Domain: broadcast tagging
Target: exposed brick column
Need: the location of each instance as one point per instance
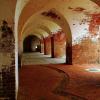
(48, 45)
(59, 40)
(52, 46)
(19, 60)
(40, 46)
(44, 40)
(69, 53)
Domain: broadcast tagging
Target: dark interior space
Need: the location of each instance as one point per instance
(31, 44)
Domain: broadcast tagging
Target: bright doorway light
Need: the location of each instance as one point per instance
(93, 69)
(36, 47)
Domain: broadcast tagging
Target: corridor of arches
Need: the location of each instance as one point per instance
(62, 40)
(57, 48)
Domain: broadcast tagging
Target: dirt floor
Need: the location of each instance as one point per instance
(58, 82)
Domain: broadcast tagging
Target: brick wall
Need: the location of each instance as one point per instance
(7, 64)
(87, 52)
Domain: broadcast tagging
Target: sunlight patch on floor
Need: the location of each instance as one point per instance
(93, 69)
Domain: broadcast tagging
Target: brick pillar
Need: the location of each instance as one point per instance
(58, 44)
(44, 40)
(69, 54)
(52, 46)
(19, 60)
(40, 46)
(48, 45)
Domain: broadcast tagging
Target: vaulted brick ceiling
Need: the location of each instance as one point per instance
(78, 14)
(97, 2)
(26, 8)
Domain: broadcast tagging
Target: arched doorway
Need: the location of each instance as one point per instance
(31, 44)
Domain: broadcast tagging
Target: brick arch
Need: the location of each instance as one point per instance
(27, 43)
(55, 16)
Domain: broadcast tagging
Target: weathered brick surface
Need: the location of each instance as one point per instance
(87, 52)
(7, 65)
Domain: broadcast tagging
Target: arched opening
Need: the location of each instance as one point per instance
(62, 23)
(60, 17)
(31, 44)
